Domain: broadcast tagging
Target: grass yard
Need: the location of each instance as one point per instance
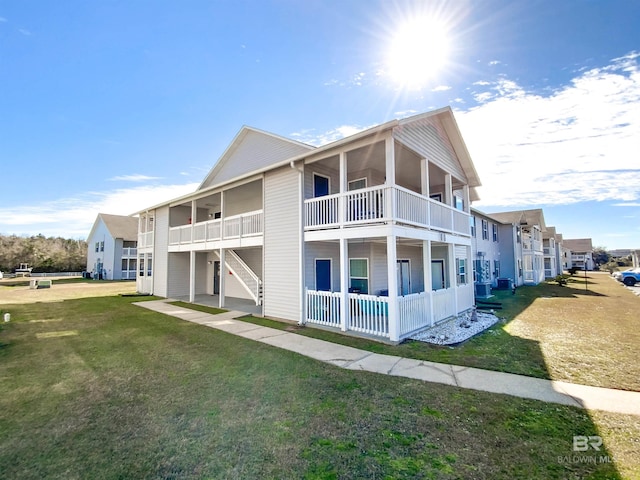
(99, 388)
(589, 336)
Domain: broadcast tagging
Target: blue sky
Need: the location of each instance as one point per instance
(112, 106)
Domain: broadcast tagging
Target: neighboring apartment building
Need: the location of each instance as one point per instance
(551, 244)
(491, 241)
(369, 234)
(112, 247)
(524, 254)
(581, 252)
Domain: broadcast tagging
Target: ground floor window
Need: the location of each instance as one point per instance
(462, 271)
(359, 275)
(149, 262)
(496, 268)
(141, 265)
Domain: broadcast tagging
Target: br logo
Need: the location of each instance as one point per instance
(582, 443)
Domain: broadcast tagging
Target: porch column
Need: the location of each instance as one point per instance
(342, 204)
(194, 216)
(392, 279)
(426, 273)
(424, 177)
(223, 276)
(466, 199)
(344, 285)
(192, 276)
(453, 271)
(448, 190)
(390, 170)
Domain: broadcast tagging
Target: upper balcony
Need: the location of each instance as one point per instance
(234, 217)
(383, 204)
(383, 182)
(230, 228)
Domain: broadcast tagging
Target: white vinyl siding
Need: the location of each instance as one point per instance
(282, 230)
(160, 251)
(257, 150)
(428, 138)
(178, 264)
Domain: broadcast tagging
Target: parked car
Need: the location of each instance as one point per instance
(628, 277)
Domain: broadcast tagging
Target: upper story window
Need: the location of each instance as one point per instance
(472, 225)
(97, 246)
(485, 230)
(518, 234)
(494, 229)
(102, 246)
(458, 202)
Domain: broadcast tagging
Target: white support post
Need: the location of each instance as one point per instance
(222, 217)
(392, 283)
(344, 285)
(426, 273)
(390, 169)
(448, 190)
(223, 277)
(342, 203)
(194, 217)
(192, 276)
(453, 273)
(424, 177)
(466, 198)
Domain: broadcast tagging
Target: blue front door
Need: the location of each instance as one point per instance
(323, 275)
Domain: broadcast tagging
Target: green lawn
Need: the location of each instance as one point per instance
(576, 334)
(124, 392)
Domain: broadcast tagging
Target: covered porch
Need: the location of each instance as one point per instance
(387, 287)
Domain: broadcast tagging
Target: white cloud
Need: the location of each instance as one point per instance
(133, 178)
(310, 136)
(2, 19)
(577, 143)
(494, 62)
(24, 32)
(441, 88)
(73, 217)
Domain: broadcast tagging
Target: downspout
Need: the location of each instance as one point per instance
(302, 309)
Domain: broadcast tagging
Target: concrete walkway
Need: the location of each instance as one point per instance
(592, 398)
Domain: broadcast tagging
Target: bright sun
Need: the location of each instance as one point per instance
(418, 51)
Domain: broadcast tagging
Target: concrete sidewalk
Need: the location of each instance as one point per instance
(592, 398)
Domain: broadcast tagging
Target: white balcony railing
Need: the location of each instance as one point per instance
(236, 226)
(383, 203)
(369, 314)
(145, 239)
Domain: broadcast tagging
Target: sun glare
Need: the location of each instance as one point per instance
(418, 51)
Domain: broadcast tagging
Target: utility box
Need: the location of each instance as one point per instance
(505, 284)
(483, 290)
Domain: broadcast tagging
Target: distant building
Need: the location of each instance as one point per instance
(112, 247)
(581, 252)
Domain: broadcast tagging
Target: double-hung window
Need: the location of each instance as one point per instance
(359, 274)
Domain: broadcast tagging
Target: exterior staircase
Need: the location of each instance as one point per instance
(247, 277)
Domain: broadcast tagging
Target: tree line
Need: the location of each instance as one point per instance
(52, 254)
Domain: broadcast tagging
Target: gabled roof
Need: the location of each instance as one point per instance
(250, 150)
(119, 226)
(254, 151)
(525, 218)
(578, 244)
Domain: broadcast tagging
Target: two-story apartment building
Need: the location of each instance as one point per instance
(492, 251)
(369, 234)
(551, 244)
(525, 229)
(581, 252)
(112, 247)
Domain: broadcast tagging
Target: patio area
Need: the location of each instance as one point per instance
(230, 303)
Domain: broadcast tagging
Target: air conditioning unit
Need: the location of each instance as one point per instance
(483, 290)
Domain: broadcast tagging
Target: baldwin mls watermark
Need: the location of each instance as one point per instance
(585, 450)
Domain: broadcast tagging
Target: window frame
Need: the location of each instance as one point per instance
(366, 279)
